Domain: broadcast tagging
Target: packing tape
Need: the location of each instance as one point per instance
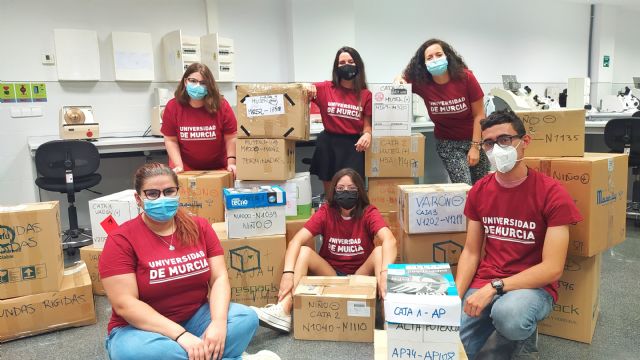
(375, 167)
(545, 167)
(375, 145)
(192, 182)
(414, 143)
(414, 168)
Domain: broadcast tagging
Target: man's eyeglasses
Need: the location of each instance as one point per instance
(153, 194)
(346, 188)
(503, 141)
(194, 81)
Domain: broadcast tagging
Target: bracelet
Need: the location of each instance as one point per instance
(381, 271)
(287, 272)
(231, 157)
(178, 337)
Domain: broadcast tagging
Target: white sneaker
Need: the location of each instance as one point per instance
(261, 355)
(274, 317)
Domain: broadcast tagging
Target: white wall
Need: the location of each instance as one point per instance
(627, 51)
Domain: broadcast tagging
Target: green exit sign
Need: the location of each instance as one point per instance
(605, 61)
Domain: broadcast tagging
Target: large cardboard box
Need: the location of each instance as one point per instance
(395, 156)
(279, 111)
(109, 212)
(298, 192)
(598, 185)
(422, 294)
(265, 159)
(255, 212)
(383, 192)
(30, 249)
(392, 109)
(391, 218)
(71, 306)
(254, 265)
(432, 208)
(411, 341)
(335, 308)
(91, 256)
(433, 248)
(554, 132)
(201, 193)
(575, 314)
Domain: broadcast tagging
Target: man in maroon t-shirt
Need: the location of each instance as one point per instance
(522, 218)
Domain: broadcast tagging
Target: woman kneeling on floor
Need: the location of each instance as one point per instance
(165, 276)
(348, 225)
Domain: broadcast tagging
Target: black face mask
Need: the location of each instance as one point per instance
(346, 199)
(347, 72)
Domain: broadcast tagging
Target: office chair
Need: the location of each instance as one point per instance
(69, 166)
(622, 135)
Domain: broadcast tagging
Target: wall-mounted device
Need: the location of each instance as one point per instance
(161, 97)
(77, 122)
(578, 92)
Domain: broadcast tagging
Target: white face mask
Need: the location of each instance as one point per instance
(503, 159)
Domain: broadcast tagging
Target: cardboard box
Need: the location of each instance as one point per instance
(392, 109)
(109, 212)
(298, 192)
(554, 132)
(91, 255)
(201, 193)
(575, 314)
(30, 249)
(381, 349)
(391, 218)
(598, 185)
(277, 111)
(265, 159)
(432, 208)
(255, 212)
(335, 308)
(71, 306)
(383, 192)
(395, 156)
(433, 248)
(254, 265)
(423, 294)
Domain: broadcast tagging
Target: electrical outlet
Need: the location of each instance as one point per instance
(48, 59)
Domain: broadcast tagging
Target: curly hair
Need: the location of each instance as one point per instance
(212, 99)
(416, 70)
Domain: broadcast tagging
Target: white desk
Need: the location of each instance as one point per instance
(109, 143)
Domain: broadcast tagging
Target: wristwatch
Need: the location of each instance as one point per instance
(498, 284)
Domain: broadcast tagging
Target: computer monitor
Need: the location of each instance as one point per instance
(509, 82)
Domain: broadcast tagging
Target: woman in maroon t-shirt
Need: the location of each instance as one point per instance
(453, 99)
(199, 125)
(348, 225)
(345, 108)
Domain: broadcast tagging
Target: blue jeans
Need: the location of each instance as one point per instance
(514, 315)
(127, 342)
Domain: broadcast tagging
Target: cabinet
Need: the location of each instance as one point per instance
(218, 55)
(216, 52)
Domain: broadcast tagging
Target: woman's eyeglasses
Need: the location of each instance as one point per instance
(153, 194)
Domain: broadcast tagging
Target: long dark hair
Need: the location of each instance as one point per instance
(363, 198)
(416, 70)
(360, 81)
(186, 228)
(212, 99)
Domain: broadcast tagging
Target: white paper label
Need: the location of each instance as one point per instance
(264, 105)
(437, 212)
(358, 308)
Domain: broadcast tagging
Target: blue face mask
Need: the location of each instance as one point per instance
(196, 92)
(161, 209)
(437, 66)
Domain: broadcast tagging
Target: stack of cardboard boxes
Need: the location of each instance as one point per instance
(36, 294)
(395, 157)
(598, 185)
(433, 222)
(422, 310)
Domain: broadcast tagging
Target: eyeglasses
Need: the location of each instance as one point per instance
(194, 81)
(153, 194)
(346, 188)
(503, 141)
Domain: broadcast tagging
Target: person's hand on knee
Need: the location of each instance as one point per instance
(478, 301)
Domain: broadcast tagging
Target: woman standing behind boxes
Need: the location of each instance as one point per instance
(198, 125)
(348, 225)
(345, 108)
(454, 102)
(158, 270)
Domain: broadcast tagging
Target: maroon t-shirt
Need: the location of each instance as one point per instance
(340, 109)
(515, 223)
(200, 134)
(347, 243)
(174, 283)
(449, 105)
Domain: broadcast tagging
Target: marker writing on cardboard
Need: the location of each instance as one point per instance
(268, 292)
(25, 309)
(64, 301)
(410, 353)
